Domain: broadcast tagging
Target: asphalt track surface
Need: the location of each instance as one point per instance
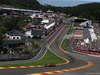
(76, 60)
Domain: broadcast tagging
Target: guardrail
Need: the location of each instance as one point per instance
(21, 58)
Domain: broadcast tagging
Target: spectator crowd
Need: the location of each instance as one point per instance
(86, 43)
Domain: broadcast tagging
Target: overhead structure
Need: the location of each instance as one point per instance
(49, 26)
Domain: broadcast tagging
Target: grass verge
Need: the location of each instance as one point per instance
(63, 43)
(98, 41)
(69, 31)
(47, 59)
(66, 42)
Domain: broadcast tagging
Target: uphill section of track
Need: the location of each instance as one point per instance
(92, 70)
(54, 47)
(76, 60)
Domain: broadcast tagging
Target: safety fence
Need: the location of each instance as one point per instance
(17, 57)
(87, 51)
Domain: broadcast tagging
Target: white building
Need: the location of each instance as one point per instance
(28, 33)
(45, 21)
(13, 35)
(86, 23)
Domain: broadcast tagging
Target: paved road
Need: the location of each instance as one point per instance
(42, 44)
(26, 70)
(37, 57)
(76, 60)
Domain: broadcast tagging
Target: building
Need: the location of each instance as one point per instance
(82, 22)
(28, 33)
(50, 12)
(13, 39)
(13, 35)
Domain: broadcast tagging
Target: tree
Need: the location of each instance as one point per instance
(1, 41)
(33, 42)
(36, 46)
(15, 23)
(28, 4)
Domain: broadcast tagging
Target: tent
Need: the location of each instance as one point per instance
(86, 40)
(22, 55)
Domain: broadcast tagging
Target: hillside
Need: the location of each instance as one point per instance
(27, 4)
(90, 11)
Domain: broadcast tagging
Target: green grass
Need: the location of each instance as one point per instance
(63, 43)
(98, 41)
(67, 42)
(47, 59)
(69, 31)
(75, 25)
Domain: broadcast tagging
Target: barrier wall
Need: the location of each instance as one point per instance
(87, 52)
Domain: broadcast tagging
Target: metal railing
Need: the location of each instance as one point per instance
(13, 57)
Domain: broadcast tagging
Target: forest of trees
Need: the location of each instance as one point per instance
(91, 10)
(26, 4)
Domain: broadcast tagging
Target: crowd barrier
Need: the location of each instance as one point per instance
(86, 51)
